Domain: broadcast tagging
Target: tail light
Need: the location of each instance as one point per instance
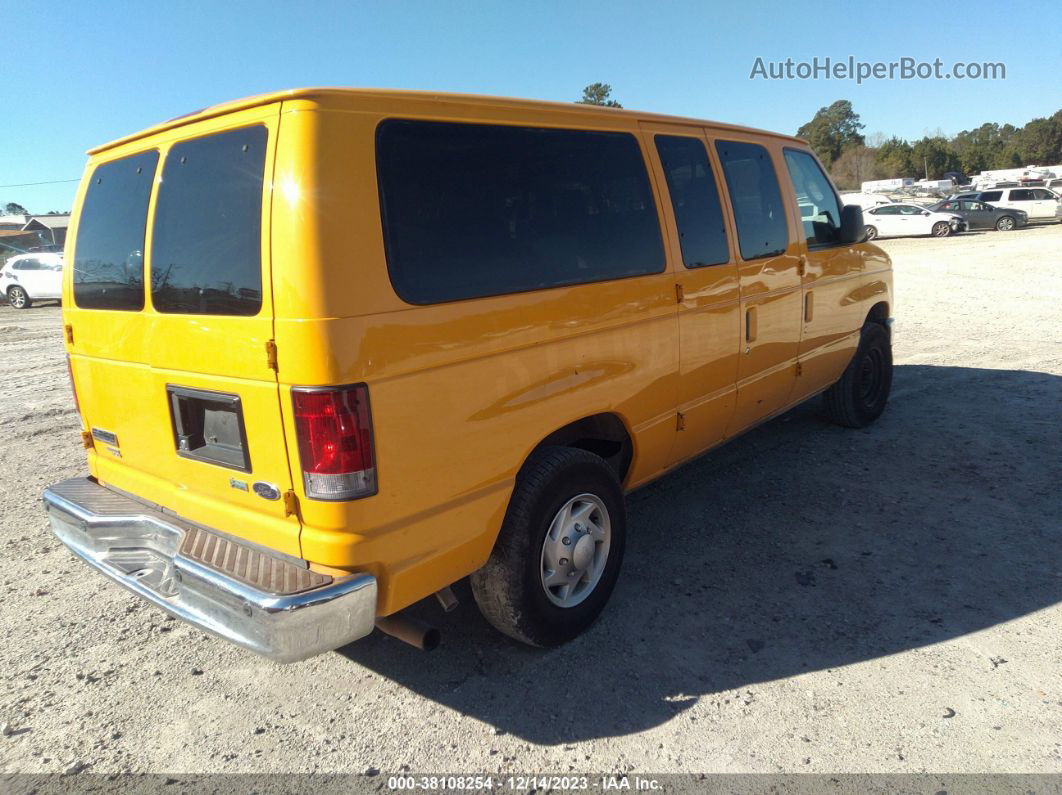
(334, 430)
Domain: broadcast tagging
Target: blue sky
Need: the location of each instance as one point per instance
(79, 74)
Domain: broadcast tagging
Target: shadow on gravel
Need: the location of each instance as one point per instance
(798, 547)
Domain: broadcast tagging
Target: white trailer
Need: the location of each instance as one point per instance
(935, 184)
(884, 185)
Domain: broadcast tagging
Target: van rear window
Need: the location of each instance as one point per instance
(206, 251)
(472, 210)
(109, 251)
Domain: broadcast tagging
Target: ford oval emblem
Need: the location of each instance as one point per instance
(266, 491)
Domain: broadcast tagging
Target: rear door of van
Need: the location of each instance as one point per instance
(169, 320)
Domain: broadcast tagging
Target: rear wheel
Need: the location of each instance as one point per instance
(16, 296)
(559, 552)
(872, 232)
(1005, 224)
(859, 397)
(941, 229)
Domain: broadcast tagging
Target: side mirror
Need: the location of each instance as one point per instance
(925, 212)
(853, 230)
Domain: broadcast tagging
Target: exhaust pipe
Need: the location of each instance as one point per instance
(409, 630)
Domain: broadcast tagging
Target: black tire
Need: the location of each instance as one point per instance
(1005, 223)
(18, 297)
(941, 229)
(509, 589)
(862, 392)
(871, 232)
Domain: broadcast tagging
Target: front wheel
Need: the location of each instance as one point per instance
(871, 232)
(1005, 224)
(17, 297)
(559, 552)
(859, 397)
(941, 229)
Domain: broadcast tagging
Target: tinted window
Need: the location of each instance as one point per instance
(694, 199)
(28, 265)
(109, 261)
(953, 206)
(1021, 195)
(909, 209)
(757, 202)
(888, 209)
(1043, 194)
(991, 196)
(206, 251)
(472, 210)
(820, 209)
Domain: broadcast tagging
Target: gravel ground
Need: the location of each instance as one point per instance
(806, 599)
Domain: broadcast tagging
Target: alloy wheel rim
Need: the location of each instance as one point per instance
(18, 298)
(575, 550)
(941, 229)
(1005, 224)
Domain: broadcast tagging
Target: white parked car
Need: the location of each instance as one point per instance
(1040, 204)
(32, 277)
(903, 220)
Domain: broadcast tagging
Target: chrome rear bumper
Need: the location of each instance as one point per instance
(264, 602)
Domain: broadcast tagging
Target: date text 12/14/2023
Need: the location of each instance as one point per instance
(523, 783)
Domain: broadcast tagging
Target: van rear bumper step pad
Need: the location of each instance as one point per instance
(268, 604)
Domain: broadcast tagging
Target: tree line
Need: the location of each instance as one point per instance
(835, 133)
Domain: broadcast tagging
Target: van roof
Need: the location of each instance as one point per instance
(352, 93)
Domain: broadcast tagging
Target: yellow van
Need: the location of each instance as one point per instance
(337, 349)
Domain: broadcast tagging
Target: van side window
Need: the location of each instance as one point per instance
(694, 199)
(754, 195)
(1021, 195)
(206, 252)
(109, 250)
(472, 210)
(820, 209)
(991, 196)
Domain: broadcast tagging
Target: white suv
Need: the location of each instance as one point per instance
(1040, 204)
(32, 277)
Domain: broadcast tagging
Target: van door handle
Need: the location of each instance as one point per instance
(750, 325)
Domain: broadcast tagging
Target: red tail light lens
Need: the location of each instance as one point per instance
(334, 429)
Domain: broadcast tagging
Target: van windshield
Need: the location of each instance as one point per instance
(206, 252)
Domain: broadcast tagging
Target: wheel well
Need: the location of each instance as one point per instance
(879, 313)
(604, 435)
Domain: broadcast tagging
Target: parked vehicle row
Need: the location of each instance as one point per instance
(1038, 204)
(1002, 209)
